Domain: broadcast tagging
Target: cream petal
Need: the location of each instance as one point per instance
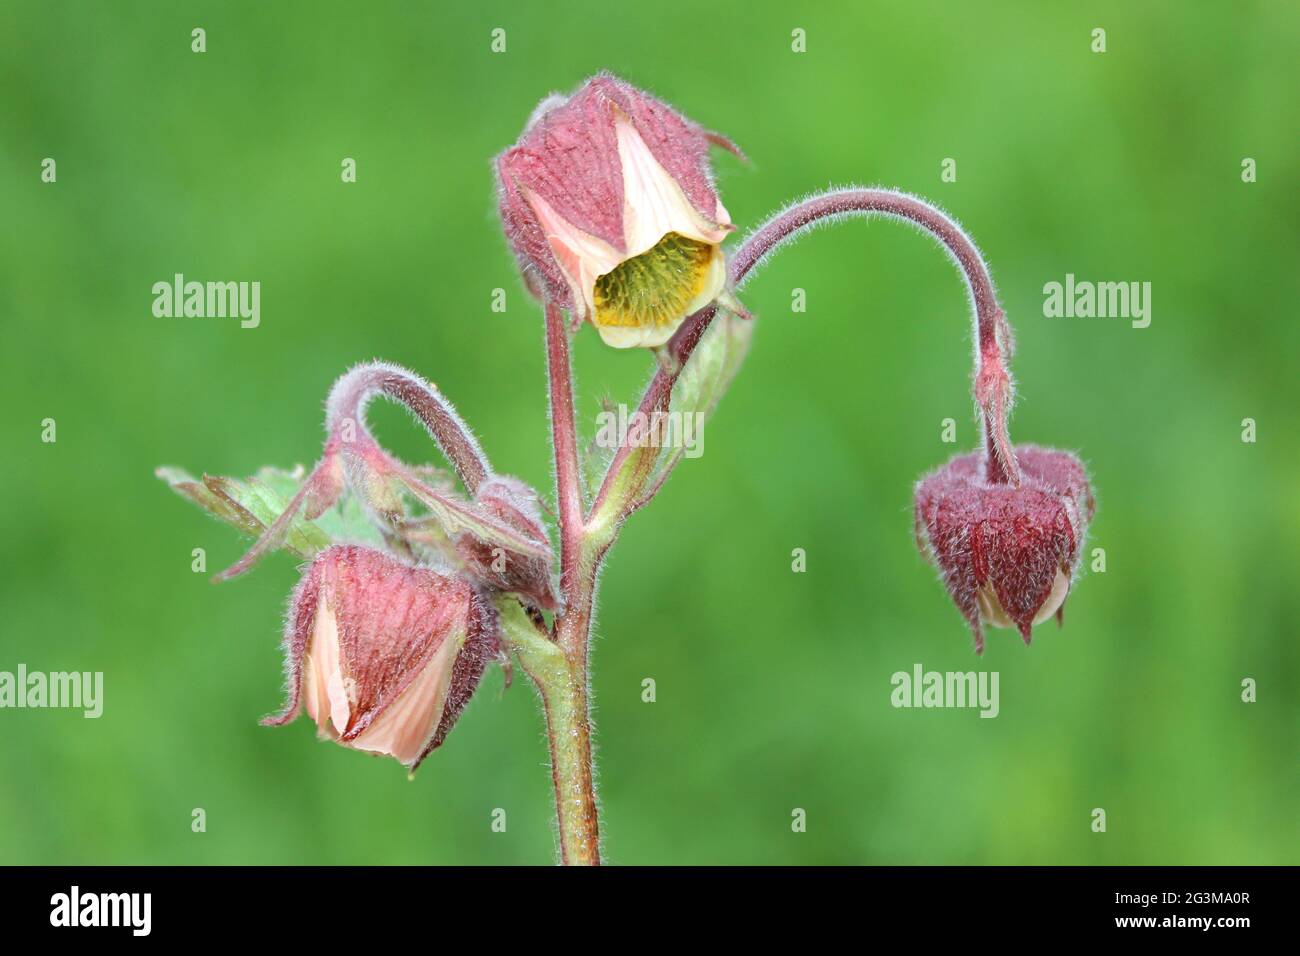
(722, 216)
(635, 337)
(323, 686)
(992, 612)
(1055, 598)
(713, 283)
(404, 728)
(582, 257)
(653, 203)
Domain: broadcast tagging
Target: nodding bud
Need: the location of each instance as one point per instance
(1007, 554)
(608, 203)
(383, 656)
(501, 568)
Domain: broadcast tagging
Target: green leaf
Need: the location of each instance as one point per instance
(252, 504)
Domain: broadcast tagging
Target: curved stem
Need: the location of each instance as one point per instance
(353, 392)
(799, 217)
(347, 402)
(993, 388)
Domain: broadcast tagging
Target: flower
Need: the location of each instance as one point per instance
(608, 203)
(383, 650)
(383, 656)
(1007, 554)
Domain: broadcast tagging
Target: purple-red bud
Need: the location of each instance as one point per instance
(1007, 554)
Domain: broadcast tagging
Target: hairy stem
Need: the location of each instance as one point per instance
(993, 390)
(568, 487)
(563, 683)
(569, 733)
(568, 716)
(352, 393)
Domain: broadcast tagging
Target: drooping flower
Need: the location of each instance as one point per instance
(382, 655)
(608, 203)
(382, 649)
(1007, 553)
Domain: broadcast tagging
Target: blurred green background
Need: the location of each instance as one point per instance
(772, 687)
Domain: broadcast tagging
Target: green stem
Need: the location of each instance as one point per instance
(569, 731)
(559, 669)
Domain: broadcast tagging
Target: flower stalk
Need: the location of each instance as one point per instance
(564, 687)
(560, 668)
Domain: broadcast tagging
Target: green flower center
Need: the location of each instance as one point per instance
(655, 287)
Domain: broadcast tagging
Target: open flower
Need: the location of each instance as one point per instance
(382, 655)
(608, 203)
(1007, 554)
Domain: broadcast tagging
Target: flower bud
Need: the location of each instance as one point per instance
(502, 569)
(1007, 554)
(608, 203)
(383, 656)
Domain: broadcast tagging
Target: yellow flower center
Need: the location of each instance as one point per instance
(654, 288)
